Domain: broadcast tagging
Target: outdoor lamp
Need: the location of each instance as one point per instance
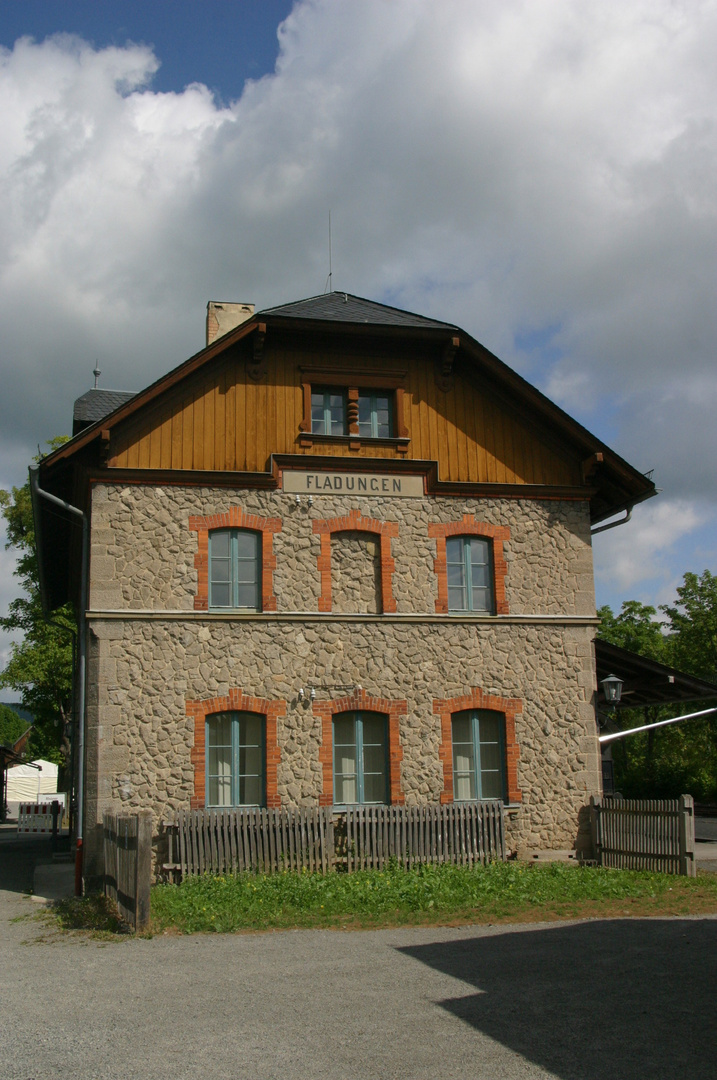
(612, 689)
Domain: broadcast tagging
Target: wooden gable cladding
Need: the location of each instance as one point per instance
(231, 416)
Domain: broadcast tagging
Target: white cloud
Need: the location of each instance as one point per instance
(514, 167)
(643, 550)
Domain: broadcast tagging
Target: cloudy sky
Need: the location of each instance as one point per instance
(540, 172)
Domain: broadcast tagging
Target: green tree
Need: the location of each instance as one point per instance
(12, 726)
(692, 623)
(40, 665)
(636, 628)
(667, 762)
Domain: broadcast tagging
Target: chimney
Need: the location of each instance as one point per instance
(223, 317)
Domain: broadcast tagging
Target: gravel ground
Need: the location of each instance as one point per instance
(598, 1000)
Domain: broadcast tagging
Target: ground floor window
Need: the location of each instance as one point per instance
(235, 759)
(360, 759)
(478, 755)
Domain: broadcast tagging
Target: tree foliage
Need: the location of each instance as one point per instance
(681, 758)
(692, 625)
(40, 665)
(636, 628)
(12, 726)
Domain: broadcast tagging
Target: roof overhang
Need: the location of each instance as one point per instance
(645, 681)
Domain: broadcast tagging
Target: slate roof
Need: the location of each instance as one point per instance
(96, 404)
(345, 307)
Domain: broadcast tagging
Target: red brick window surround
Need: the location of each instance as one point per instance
(470, 527)
(235, 701)
(354, 522)
(477, 699)
(357, 701)
(235, 518)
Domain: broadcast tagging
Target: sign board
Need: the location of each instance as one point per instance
(299, 482)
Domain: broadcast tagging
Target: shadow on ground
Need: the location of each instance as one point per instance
(611, 1000)
(19, 855)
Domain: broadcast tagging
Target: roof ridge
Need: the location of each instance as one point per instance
(327, 307)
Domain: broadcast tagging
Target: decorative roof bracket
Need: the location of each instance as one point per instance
(444, 374)
(256, 368)
(591, 465)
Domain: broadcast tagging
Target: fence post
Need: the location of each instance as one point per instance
(688, 865)
(595, 832)
(144, 870)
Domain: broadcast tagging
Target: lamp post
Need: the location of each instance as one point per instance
(612, 689)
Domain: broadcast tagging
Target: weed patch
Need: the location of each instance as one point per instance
(94, 913)
(424, 895)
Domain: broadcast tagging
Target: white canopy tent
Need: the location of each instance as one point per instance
(28, 784)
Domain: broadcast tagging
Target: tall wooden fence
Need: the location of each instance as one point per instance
(229, 841)
(645, 834)
(128, 865)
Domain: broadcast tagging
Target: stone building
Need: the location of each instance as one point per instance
(341, 555)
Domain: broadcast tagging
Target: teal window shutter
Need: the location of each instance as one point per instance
(478, 755)
(234, 569)
(236, 759)
(469, 566)
(360, 759)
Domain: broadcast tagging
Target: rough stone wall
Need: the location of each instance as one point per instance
(142, 672)
(140, 738)
(143, 551)
(355, 573)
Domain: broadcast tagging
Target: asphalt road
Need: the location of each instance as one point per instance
(596, 1000)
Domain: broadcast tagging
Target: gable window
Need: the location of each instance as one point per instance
(328, 412)
(478, 755)
(234, 569)
(360, 764)
(469, 565)
(354, 403)
(235, 759)
(375, 414)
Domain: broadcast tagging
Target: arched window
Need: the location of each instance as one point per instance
(235, 743)
(478, 737)
(360, 759)
(234, 569)
(469, 564)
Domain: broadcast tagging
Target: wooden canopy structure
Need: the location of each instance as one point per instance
(647, 682)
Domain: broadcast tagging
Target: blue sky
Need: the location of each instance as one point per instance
(220, 43)
(540, 172)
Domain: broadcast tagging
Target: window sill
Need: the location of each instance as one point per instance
(234, 611)
(354, 442)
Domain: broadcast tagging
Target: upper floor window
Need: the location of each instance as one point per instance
(235, 759)
(360, 759)
(328, 412)
(234, 569)
(478, 755)
(354, 403)
(469, 564)
(375, 414)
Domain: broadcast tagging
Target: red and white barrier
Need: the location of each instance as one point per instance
(35, 817)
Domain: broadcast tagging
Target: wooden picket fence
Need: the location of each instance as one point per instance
(645, 834)
(230, 841)
(128, 865)
(321, 840)
(463, 833)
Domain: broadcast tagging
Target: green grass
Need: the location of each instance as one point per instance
(427, 894)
